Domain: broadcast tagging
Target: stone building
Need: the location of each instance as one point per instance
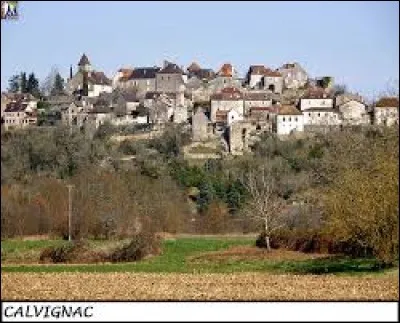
(200, 126)
(170, 78)
(386, 111)
(316, 97)
(18, 114)
(353, 112)
(289, 120)
(143, 80)
(294, 76)
(87, 82)
(227, 99)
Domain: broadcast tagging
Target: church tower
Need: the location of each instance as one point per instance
(84, 64)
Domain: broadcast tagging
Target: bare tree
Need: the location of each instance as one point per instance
(264, 204)
(48, 83)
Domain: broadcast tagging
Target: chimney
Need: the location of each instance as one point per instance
(70, 72)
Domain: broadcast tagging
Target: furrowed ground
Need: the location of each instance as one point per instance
(195, 268)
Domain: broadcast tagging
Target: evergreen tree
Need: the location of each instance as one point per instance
(13, 84)
(23, 83)
(33, 85)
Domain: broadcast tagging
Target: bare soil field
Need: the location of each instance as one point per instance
(243, 253)
(173, 286)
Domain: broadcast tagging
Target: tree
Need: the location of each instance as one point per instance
(58, 85)
(48, 83)
(264, 204)
(339, 89)
(32, 85)
(14, 83)
(23, 83)
(361, 201)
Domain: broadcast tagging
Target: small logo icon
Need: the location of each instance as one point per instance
(9, 10)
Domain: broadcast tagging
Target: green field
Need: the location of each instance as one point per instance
(183, 255)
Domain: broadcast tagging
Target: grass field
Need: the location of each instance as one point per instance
(197, 269)
(193, 255)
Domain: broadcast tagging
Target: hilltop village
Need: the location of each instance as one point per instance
(226, 112)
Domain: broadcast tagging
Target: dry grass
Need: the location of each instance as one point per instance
(243, 253)
(240, 286)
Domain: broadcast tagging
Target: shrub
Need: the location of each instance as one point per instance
(313, 241)
(76, 252)
(142, 245)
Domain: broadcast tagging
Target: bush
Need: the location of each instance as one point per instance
(142, 245)
(76, 252)
(313, 241)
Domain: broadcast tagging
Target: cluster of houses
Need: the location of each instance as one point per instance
(222, 104)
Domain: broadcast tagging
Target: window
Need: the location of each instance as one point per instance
(319, 114)
(309, 114)
(295, 119)
(283, 119)
(290, 119)
(326, 114)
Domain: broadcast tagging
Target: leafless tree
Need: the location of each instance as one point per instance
(264, 204)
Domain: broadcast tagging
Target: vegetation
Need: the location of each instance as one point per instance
(197, 255)
(341, 186)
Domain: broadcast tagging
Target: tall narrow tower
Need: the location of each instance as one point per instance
(84, 64)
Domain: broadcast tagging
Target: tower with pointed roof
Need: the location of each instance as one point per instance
(84, 64)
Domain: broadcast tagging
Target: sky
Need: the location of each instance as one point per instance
(355, 42)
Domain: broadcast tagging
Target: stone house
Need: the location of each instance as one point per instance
(294, 76)
(143, 80)
(254, 76)
(260, 77)
(19, 114)
(75, 114)
(99, 116)
(27, 98)
(289, 120)
(353, 112)
(227, 76)
(87, 82)
(120, 79)
(386, 111)
(321, 117)
(316, 97)
(256, 99)
(272, 81)
(227, 99)
(170, 78)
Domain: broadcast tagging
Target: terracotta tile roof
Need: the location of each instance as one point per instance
(257, 69)
(315, 93)
(126, 73)
(84, 60)
(288, 110)
(228, 93)
(387, 102)
(271, 73)
(99, 78)
(226, 70)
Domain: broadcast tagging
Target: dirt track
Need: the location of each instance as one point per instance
(246, 286)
